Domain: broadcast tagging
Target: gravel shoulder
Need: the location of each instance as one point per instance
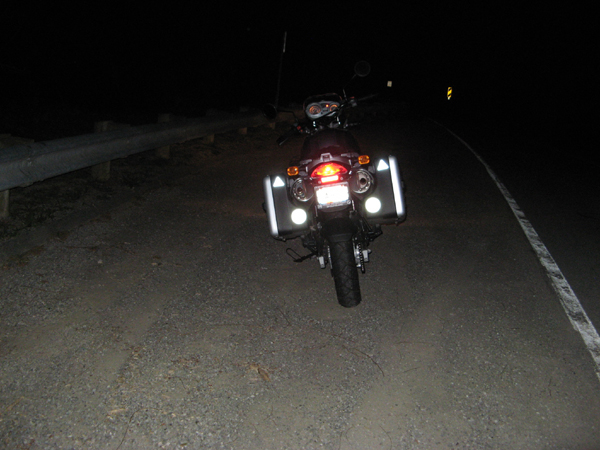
(172, 320)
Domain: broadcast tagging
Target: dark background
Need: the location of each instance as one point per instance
(527, 69)
(524, 82)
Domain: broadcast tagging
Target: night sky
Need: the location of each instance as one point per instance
(529, 64)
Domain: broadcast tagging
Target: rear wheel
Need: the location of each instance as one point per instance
(345, 273)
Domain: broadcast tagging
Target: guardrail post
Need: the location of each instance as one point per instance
(4, 204)
(6, 140)
(101, 172)
(164, 152)
(243, 131)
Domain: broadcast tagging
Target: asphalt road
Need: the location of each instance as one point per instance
(175, 321)
(551, 171)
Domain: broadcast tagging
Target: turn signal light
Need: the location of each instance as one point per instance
(364, 159)
(293, 171)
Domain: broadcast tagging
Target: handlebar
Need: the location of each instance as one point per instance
(298, 128)
(366, 97)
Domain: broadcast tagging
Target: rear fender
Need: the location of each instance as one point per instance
(339, 230)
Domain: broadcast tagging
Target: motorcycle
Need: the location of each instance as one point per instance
(334, 197)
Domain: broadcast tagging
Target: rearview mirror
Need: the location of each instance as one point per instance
(270, 111)
(362, 68)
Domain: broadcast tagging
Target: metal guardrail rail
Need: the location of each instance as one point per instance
(21, 165)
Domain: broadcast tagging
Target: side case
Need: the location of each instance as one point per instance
(389, 192)
(279, 208)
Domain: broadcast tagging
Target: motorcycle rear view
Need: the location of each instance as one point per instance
(334, 197)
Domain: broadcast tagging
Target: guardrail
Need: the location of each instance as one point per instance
(24, 164)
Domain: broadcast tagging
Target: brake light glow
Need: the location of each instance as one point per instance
(329, 172)
(330, 179)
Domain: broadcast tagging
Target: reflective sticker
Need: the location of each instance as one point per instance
(382, 166)
(449, 93)
(373, 205)
(278, 182)
(299, 216)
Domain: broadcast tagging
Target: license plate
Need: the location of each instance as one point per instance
(333, 195)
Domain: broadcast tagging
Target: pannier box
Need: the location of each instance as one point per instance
(279, 208)
(388, 191)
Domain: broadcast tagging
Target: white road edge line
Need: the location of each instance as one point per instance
(575, 312)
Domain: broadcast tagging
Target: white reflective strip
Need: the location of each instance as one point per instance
(397, 186)
(382, 166)
(270, 204)
(278, 182)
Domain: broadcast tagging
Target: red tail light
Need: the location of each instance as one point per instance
(329, 172)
